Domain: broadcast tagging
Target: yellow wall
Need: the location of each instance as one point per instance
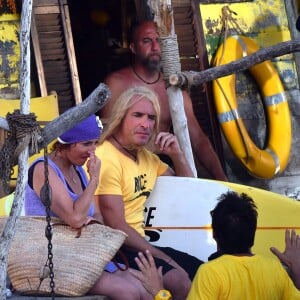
(10, 56)
(264, 21)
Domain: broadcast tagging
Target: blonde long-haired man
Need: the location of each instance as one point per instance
(128, 174)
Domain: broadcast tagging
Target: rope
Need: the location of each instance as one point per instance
(227, 17)
(170, 59)
(227, 20)
(24, 131)
(170, 56)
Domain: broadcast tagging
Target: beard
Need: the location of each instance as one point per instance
(152, 65)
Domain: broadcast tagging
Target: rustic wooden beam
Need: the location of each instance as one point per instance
(197, 78)
(93, 103)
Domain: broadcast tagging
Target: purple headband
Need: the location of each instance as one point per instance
(87, 130)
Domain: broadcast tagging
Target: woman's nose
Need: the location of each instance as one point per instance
(93, 148)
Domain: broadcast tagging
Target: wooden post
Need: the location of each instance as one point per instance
(10, 226)
(163, 16)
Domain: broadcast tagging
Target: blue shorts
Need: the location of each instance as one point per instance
(112, 268)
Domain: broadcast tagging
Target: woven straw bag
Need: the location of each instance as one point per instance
(77, 261)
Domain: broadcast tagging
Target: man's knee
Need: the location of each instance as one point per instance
(177, 282)
(131, 292)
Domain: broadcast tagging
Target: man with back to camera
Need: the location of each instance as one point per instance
(238, 273)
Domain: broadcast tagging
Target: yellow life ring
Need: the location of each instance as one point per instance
(262, 163)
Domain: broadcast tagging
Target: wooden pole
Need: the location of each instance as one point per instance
(197, 78)
(9, 229)
(163, 17)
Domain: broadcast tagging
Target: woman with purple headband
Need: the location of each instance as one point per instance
(73, 197)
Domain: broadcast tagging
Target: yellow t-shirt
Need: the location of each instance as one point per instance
(243, 277)
(134, 181)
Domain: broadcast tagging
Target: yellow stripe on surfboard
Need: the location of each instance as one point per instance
(209, 228)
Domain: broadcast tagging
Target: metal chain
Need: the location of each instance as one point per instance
(6, 163)
(23, 131)
(46, 197)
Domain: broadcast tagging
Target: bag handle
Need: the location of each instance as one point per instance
(78, 230)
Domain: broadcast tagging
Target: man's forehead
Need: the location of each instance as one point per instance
(142, 105)
(147, 29)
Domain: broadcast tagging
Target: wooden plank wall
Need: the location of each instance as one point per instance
(53, 52)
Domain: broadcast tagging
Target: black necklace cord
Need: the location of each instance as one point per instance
(145, 81)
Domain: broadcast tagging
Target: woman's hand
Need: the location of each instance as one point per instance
(149, 275)
(93, 166)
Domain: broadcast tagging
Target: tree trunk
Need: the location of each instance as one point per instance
(9, 229)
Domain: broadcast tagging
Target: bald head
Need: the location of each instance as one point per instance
(140, 28)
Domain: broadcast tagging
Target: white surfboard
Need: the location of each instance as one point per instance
(177, 214)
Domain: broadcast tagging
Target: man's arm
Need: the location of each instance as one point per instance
(115, 83)
(201, 144)
(112, 210)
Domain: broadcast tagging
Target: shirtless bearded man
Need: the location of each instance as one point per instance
(145, 70)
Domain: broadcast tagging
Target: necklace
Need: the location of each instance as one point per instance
(132, 154)
(73, 178)
(73, 175)
(70, 176)
(67, 175)
(145, 81)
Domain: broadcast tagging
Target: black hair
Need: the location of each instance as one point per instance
(132, 30)
(57, 146)
(234, 221)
